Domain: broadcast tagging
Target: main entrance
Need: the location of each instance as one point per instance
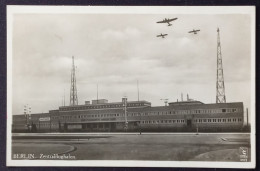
(189, 122)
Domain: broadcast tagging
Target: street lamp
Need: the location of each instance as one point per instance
(27, 114)
(140, 127)
(124, 100)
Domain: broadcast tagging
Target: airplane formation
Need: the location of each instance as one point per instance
(168, 20)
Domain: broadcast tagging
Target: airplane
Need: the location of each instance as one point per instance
(162, 35)
(194, 31)
(167, 21)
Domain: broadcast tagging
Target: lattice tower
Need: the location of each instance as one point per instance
(73, 87)
(220, 86)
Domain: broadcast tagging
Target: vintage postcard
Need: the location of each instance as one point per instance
(131, 86)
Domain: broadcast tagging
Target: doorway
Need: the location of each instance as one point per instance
(189, 122)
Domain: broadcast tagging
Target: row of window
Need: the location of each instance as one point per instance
(199, 111)
(170, 121)
(208, 111)
(164, 121)
(217, 120)
(47, 124)
(87, 116)
(101, 106)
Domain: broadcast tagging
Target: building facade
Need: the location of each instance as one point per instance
(135, 116)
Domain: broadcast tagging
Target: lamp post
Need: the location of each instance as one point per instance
(27, 114)
(197, 129)
(140, 127)
(50, 122)
(30, 118)
(124, 100)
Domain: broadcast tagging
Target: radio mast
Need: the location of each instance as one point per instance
(220, 86)
(138, 90)
(73, 88)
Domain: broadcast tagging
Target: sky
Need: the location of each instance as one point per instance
(116, 50)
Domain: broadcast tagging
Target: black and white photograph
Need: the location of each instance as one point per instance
(131, 86)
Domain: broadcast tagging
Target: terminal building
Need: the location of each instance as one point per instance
(135, 116)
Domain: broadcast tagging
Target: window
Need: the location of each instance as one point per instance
(223, 110)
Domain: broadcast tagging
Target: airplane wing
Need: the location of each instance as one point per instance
(161, 22)
(190, 31)
(159, 36)
(165, 34)
(170, 20)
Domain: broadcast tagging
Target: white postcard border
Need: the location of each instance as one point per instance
(15, 9)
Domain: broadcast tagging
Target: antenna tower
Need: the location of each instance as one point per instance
(73, 88)
(97, 93)
(138, 90)
(220, 86)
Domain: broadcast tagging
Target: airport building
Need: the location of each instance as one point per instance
(135, 116)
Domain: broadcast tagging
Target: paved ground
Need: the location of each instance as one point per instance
(169, 147)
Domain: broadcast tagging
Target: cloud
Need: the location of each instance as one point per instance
(115, 51)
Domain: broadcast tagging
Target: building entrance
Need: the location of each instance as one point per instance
(189, 122)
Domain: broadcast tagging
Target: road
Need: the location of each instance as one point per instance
(132, 146)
